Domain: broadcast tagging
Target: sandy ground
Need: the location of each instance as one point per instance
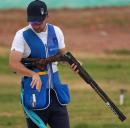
(87, 30)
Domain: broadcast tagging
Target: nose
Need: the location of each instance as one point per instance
(35, 26)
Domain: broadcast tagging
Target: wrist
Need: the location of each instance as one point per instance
(33, 73)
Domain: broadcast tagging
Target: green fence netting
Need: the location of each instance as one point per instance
(6, 4)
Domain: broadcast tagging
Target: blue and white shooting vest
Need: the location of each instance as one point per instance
(33, 99)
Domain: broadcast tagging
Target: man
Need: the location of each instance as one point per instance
(41, 40)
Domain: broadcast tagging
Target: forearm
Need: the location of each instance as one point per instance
(21, 69)
(17, 66)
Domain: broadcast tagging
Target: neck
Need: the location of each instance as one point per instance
(45, 28)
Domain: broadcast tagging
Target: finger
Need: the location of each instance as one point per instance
(38, 86)
(33, 83)
(72, 65)
(75, 67)
(76, 70)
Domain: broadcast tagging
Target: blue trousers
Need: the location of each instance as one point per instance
(56, 115)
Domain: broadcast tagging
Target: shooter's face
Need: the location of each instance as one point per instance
(39, 26)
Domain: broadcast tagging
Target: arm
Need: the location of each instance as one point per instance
(16, 65)
(62, 51)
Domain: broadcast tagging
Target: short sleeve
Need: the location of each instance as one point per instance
(60, 37)
(18, 42)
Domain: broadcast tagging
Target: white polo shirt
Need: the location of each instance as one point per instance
(20, 45)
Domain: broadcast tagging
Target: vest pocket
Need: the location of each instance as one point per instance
(33, 99)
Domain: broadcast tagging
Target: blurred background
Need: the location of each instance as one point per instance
(97, 32)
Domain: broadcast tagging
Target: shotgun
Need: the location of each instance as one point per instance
(70, 59)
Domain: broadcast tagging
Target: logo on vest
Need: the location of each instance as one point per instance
(52, 49)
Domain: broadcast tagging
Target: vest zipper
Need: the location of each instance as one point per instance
(49, 68)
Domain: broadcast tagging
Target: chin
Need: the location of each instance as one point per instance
(37, 30)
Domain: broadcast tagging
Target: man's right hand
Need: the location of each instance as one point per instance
(17, 66)
(36, 81)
